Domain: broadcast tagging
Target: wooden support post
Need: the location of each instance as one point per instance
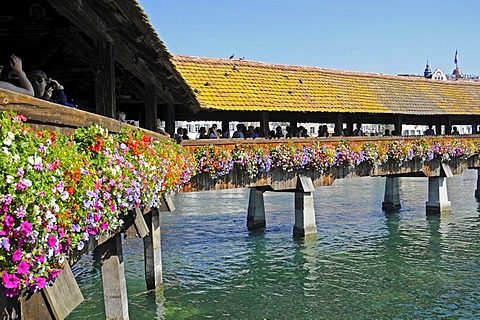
(397, 126)
(392, 194)
(153, 252)
(170, 119)
(105, 102)
(256, 210)
(305, 224)
(477, 191)
(338, 130)
(225, 129)
(113, 277)
(474, 127)
(437, 196)
(438, 129)
(448, 126)
(349, 129)
(265, 123)
(150, 102)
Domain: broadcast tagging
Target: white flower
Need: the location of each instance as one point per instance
(64, 196)
(7, 141)
(10, 179)
(11, 135)
(5, 150)
(16, 158)
(31, 160)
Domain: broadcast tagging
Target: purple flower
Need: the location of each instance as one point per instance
(17, 255)
(76, 228)
(80, 245)
(5, 243)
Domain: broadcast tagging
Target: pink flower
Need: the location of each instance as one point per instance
(104, 225)
(10, 281)
(23, 267)
(26, 227)
(17, 255)
(52, 241)
(40, 282)
(8, 221)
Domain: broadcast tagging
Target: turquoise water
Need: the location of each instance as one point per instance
(363, 264)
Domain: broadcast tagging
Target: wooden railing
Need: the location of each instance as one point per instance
(46, 115)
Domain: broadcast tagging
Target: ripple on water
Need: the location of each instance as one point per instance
(363, 264)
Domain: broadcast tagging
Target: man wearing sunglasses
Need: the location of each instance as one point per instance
(16, 67)
(48, 89)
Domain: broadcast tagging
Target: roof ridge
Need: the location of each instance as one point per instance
(287, 67)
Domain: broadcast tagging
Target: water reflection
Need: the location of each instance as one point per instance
(363, 264)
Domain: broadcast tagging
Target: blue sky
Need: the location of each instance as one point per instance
(387, 36)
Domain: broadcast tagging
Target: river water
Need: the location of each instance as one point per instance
(363, 264)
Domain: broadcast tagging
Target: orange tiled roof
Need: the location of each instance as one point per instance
(241, 85)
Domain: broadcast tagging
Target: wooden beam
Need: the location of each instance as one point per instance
(84, 17)
(105, 80)
(150, 102)
(153, 251)
(170, 119)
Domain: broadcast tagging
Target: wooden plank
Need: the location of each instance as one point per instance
(64, 294)
(305, 183)
(32, 307)
(140, 224)
(41, 111)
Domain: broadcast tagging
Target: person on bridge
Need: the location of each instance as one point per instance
(455, 131)
(25, 85)
(48, 89)
(429, 131)
(358, 131)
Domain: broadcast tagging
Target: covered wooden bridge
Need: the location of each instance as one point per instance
(109, 58)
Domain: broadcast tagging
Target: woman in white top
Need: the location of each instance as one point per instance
(25, 85)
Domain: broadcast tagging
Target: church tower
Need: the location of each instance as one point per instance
(457, 72)
(427, 73)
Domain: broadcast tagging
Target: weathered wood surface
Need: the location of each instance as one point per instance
(45, 114)
(278, 180)
(64, 294)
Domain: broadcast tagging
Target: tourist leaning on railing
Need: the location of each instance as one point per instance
(15, 64)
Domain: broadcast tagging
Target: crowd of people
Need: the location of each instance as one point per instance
(36, 84)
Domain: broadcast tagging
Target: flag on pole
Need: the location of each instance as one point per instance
(456, 60)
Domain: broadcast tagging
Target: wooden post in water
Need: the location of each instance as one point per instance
(113, 277)
(304, 210)
(477, 191)
(153, 251)
(256, 210)
(437, 196)
(391, 201)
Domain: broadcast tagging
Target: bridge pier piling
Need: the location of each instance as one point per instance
(305, 224)
(477, 191)
(153, 252)
(392, 194)
(113, 278)
(437, 196)
(256, 210)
